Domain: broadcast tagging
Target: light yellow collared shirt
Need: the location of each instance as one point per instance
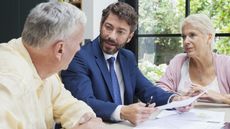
(26, 101)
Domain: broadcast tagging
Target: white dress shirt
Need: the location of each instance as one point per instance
(116, 114)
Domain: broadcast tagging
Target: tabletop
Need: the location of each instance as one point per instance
(207, 106)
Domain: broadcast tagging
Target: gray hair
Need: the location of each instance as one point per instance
(51, 21)
(202, 22)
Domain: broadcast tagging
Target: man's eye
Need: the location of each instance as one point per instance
(120, 32)
(108, 27)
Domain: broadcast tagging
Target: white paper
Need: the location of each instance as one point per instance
(182, 103)
(189, 120)
(176, 124)
(195, 115)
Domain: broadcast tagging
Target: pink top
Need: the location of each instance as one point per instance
(172, 76)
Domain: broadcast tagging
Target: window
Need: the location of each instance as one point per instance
(158, 35)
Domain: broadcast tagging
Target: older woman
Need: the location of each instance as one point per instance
(199, 68)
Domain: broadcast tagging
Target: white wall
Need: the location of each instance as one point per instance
(93, 10)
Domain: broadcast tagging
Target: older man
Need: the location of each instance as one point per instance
(31, 93)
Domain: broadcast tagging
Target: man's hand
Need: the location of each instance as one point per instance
(185, 108)
(89, 121)
(137, 113)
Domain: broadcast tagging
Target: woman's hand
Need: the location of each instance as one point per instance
(209, 95)
(213, 97)
(185, 108)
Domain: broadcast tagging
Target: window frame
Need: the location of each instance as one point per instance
(133, 46)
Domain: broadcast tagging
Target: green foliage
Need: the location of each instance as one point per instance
(161, 17)
(152, 71)
(223, 46)
(218, 10)
(158, 16)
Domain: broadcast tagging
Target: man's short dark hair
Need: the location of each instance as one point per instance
(124, 12)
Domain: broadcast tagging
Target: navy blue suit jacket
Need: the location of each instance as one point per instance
(88, 79)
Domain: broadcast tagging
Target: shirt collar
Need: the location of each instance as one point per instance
(107, 56)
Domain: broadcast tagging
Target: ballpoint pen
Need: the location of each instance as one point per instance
(149, 102)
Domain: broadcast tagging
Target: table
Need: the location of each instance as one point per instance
(215, 107)
(208, 106)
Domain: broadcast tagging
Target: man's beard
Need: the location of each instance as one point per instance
(117, 45)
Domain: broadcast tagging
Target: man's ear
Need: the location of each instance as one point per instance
(130, 37)
(59, 49)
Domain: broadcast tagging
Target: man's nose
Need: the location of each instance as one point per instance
(113, 35)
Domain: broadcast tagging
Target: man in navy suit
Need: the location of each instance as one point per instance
(88, 76)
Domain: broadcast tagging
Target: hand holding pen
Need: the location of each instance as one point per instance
(138, 112)
(149, 102)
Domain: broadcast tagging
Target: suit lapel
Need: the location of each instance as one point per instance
(100, 60)
(128, 95)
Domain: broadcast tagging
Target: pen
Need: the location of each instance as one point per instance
(149, 102)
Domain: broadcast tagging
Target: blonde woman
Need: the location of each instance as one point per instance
(199, 68)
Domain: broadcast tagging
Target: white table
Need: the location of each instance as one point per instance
(208, 106)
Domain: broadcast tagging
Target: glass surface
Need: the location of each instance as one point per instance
(160, 16)
(164, 17)
(222, 45)
(158, 50)
(217, 10)
(154, 53)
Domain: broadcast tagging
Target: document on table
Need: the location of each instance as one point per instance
(195, 115)
(163, 124)
(176, 104)
(194, 119)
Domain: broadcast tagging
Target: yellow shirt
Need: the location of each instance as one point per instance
(26, 101)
